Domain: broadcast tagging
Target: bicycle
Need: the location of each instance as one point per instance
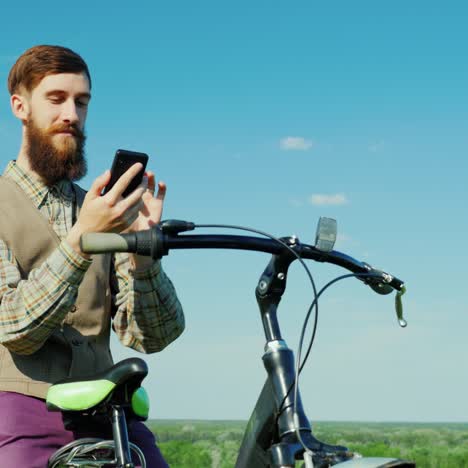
(278, 433)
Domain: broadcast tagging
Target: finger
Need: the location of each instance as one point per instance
(162, 189)
(151, 181)
(127, 219)
(131, 215)
(134, 198)
(99, 184)
(124, 180)
(145, 182)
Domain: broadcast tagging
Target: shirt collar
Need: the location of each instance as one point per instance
(36, 190)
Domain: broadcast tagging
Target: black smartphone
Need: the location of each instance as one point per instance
(123, 160)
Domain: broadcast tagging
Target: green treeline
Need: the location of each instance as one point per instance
(201, 444)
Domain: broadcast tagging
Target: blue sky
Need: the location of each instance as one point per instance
(270, 115)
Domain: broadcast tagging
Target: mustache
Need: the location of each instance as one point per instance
(70, 128)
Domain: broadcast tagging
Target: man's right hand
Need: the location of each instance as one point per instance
(110, 212)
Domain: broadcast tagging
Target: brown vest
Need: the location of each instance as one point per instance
(80, 346)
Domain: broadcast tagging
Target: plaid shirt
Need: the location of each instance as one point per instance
(148, 315)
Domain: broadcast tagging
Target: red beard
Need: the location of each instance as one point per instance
(55, 160)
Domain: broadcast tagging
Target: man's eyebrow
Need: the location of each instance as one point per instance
(59, 92)
(84, 95)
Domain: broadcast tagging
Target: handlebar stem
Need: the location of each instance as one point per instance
(278, 358)
(270, 322)
(270, 289)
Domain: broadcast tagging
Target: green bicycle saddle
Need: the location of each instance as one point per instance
(82, 394)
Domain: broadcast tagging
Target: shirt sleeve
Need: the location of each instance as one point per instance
(31, 309)
(148, 313)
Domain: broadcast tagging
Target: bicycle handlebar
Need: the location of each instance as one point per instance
(279, 363)
(159, 240)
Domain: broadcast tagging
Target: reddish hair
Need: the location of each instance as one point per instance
(42, 60)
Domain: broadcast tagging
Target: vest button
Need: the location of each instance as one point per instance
(73, 308)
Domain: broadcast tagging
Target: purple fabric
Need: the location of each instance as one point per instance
(29, 434)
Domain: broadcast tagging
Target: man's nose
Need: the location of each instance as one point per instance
(70, 112)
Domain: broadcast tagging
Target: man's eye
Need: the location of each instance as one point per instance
(55, 100)
(82, 104)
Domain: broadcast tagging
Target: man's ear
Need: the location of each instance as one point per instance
(20, 106)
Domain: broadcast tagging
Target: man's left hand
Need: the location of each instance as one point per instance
(149, 215)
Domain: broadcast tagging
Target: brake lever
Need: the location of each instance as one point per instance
(399, 307)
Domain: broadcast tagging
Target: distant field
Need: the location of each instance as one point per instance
(197, 444)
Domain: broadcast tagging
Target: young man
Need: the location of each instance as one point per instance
(57, 304)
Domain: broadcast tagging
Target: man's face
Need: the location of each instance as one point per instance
(55, 137)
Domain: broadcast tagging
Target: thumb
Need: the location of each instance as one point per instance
(99, 183)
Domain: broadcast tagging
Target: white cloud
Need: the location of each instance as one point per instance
(295, 144)
(321, 199)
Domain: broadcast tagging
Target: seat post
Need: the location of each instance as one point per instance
(120, 433)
